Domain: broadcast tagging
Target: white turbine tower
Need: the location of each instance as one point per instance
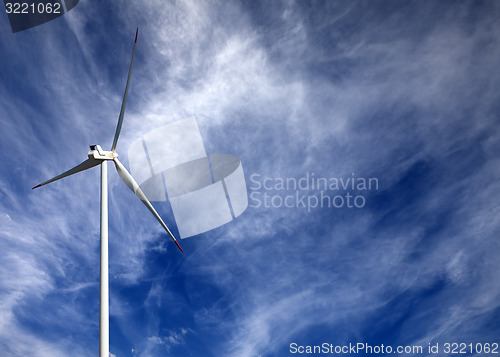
(97, 156)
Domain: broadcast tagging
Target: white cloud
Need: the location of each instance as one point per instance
(173, 337)
(284, 107)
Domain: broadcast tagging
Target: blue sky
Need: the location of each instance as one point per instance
(407, 92)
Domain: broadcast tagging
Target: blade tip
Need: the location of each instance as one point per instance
(178, 245)
(136, 32)
(40, 185)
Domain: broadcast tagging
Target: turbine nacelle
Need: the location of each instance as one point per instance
(97, 153)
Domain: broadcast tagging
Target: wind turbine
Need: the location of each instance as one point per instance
(97, 156)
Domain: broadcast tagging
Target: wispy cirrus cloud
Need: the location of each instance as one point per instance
(406, 94)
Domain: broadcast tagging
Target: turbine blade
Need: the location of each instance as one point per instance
(87, 164)
(124, 103)
(132, 184)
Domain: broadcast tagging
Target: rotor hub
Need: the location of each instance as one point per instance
(97, 153)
